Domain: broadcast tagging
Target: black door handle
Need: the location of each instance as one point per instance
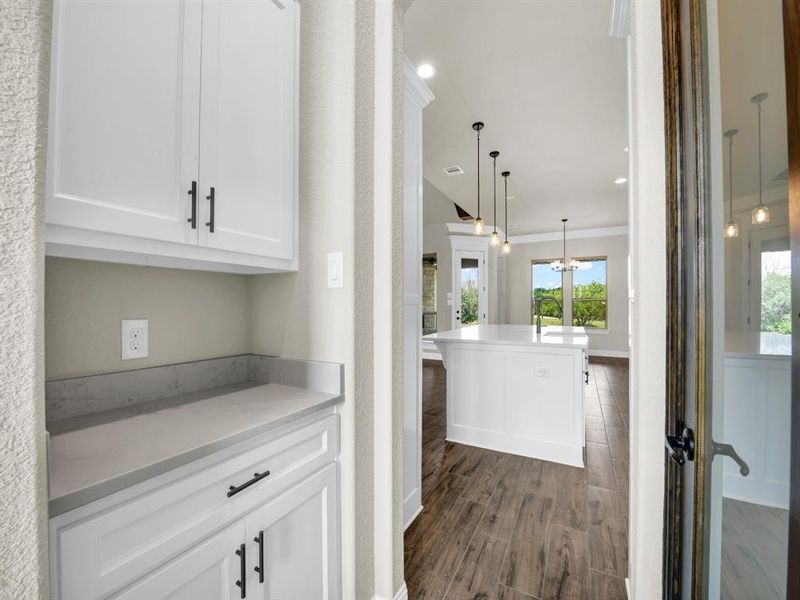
(234, 489)
(260, 568)
(210, 199)
(193, 193)
(729, 451)
(242, 582)
(681, 447)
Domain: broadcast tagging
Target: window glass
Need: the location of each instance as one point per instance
(589, 294)
(546, 283)
(469, 291)
(429, 293)
(776, 302)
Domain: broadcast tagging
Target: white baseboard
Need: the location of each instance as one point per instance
(413, 517)
(610, 353)
(628, 588)
(402, 593)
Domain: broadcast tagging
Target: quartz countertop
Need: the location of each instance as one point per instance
(516, 335)
(96, 455)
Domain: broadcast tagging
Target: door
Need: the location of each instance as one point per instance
(248, 126)
(469, 288)
(124, 114)
(734, 306)
(209, 571)
(294, 542)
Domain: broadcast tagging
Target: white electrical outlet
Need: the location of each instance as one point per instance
(134, 338)
(542, 372)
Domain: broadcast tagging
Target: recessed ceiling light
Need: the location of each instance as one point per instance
(426, 70)
(620, 180)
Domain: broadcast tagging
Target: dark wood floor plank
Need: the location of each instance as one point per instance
(595, 430)
(567, 572)
(600, 469)
(501, 514)
(526, 560)
(603, 586)
(743, 578)
(476, 578)
(506, 593)
(608, 540)
(570, 496)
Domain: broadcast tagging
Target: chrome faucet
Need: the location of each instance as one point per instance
(539, 313)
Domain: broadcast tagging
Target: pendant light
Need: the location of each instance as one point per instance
(477, 225)
(731, 227)
(761, 212)
(495, 241)
(561, 265)
(506, 245)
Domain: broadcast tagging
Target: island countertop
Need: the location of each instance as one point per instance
(517, 335)
(103, 454)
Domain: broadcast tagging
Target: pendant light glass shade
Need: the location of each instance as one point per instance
(506, 245)
(760, 213)
(495, 241)
(731, 227)
(562, 265)
(477, 225)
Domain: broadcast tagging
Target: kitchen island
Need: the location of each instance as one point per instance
(514, 390)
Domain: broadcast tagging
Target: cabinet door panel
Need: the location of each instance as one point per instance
(209, 571)
(124, 117)
(248, 125)
(301, 540)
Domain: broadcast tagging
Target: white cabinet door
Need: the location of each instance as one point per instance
(209, 571)
(124, 117)
(248, 126)
(295, 537)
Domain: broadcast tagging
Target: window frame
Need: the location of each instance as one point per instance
(544, 261)
(572, 293)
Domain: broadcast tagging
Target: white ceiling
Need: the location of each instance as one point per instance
(550, 85)
(751, 61)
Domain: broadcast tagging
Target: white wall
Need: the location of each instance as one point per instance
(614, 340)
(25, 48)
(648, 261)
(192, 315)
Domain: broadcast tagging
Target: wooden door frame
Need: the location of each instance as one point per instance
(688, 283)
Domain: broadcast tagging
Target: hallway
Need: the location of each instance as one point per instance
(501, 526)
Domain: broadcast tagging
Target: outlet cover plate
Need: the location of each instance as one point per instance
(134, 338)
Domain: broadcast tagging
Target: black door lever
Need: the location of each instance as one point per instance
(681, 448)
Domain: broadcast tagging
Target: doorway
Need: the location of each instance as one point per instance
(732, 432)
(469, 288)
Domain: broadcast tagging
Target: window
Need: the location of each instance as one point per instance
(590, 294)
(469, 291)
(546, 283)
(430, 272)
(776, 299)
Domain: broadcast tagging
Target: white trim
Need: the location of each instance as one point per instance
(429, 351)
(415, 85)
(619, 23)
(571, 235)
(471, 243)
(413, 517)
(402, 593)
(466, 227)
(610, 353)
(628, 588)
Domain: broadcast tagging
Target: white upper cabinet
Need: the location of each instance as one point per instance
(150, 100)
(247, 127)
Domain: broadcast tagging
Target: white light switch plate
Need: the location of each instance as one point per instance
(335, 270)
(134, 337)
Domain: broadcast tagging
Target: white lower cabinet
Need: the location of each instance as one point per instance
(182, 536)
(208, 571)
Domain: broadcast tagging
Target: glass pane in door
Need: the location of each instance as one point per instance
(745, 550)
(470, 277)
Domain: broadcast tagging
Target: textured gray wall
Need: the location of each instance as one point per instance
(25, 49)
(192, 315)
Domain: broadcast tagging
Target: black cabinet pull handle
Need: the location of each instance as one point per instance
(242, 583)
(210, 198)
(193, 193)
(260, 568)
(256, 478)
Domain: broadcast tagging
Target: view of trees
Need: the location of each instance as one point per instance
(551, 314)
(776, 303)
(589, 305)
(469, 301)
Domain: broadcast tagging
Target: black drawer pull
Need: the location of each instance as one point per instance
(242, 582)
(193, 193)
(260, 568)
(256, 478)
(210, 199)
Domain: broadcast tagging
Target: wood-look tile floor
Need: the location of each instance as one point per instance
(754, 547)
(505, 527)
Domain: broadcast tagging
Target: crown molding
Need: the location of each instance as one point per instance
(576, 234)
(415, 85)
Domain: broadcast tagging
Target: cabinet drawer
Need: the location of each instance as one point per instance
(100, 547)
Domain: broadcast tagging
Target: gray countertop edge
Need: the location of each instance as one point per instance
(63, 504)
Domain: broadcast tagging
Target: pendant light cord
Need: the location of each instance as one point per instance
(494, 226)
(760, 200)
(730, 176)
(564, 246)
(505, 195)
(479, 173)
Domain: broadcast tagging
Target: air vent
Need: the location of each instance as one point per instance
(454, 170)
